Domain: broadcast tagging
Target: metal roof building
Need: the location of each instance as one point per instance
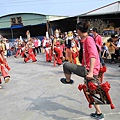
(109, 12)
(100, 18)
(15, 25)
(113, 8)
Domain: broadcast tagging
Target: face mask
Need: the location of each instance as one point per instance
(91, 34)
(71, 37)
(57, 35)
(72, 44)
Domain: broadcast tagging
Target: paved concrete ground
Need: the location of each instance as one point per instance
(35, 93)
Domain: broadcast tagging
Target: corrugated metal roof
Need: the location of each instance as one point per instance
(53, 18)
(48, 17)
(108, 9)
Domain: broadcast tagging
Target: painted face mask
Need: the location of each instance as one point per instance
(57, 35)
(71, 37)
(72, 44)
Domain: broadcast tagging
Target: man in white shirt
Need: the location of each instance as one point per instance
(8, 48)
(39, 45)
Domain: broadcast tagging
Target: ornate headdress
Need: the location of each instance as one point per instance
(70, 35)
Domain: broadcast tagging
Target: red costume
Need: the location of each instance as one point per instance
(18, 51)
(48, 50)
(57, 49)
(75, 54)
(29, 52)
(3, 65)
(30, 56)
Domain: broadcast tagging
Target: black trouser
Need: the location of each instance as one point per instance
(81, 71)
(70, 68)
(115, 55)
(36, 49)
(39, 49)
(101, 59)
(112, 57)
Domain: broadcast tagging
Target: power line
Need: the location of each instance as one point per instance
(44, 2)
(11, 2)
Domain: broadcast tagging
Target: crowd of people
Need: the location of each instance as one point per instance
(111, 48)
(62, 47)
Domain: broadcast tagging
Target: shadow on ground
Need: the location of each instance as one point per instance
(45, 105)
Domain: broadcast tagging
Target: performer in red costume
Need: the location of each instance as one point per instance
(75, 52)
(68, 54)
(56, 48)
(3, 63)
(29, 51)
(18, 50)
(48, 50)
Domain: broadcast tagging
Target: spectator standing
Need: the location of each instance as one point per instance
(113, 47)
(98, 41)
(8, 48)
(39, 45)
(11, 47)
(36, 45)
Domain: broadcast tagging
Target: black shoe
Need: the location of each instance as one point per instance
(119, 66)
(63, 80)
(34, 61)
(97, 116)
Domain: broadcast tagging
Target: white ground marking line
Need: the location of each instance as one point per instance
(79, 118)
(113, 81)
(82, 118)
(116, 113)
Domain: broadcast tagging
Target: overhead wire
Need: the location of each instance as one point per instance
(7, 3)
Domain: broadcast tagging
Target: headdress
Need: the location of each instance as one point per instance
(70, 35)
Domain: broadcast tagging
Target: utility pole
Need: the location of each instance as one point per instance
(48, 28)
(12, 33)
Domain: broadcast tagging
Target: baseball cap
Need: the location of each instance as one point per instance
(114, 35)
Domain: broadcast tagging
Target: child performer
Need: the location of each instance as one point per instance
(48, 50)
(30, 52)
(56, 48)
(75, 52)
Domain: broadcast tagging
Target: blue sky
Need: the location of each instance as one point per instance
(51, 7)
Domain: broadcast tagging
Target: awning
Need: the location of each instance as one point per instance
(20, 26)
(17, 26)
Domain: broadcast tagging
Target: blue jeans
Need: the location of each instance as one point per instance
(8, 52)
(101, 59)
